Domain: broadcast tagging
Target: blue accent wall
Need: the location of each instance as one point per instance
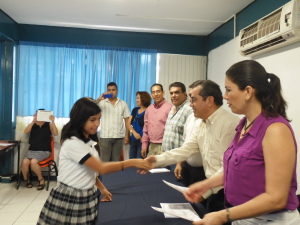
(8, 27)
(221, 35)
(163, 43)
(8, 33)
(6, 99)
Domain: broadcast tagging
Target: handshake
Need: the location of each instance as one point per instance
(144, 165)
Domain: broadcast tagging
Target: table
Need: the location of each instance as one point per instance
(133, 196)
(9, 145)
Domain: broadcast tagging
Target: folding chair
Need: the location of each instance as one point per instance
(50, 163)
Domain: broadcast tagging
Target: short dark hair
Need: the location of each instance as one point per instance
(145, 98)
(112, 84)
(209, 88)
(156, 84)
(178, 84)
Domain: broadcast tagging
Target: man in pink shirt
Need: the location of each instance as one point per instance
(154, 122)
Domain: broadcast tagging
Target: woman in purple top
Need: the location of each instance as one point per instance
(259, 175)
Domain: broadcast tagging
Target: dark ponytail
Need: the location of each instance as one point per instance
(267, 86)
(278, 104)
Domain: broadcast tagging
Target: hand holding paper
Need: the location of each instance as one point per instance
(43, 115)
(181, 210)
(177, 206)
(176, 187)
(182, 213)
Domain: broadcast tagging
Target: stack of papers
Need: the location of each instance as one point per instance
(178, 210)
(186, 214)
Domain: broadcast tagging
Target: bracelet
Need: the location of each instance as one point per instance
(228, 215)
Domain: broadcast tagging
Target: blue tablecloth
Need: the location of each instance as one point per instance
(133, 196)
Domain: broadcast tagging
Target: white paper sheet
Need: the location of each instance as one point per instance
(177, 206)
(176, 187)
(43, 115)
(181, 213)
(159, 170)
(6, 144)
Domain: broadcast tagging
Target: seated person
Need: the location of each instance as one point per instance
(39, 149)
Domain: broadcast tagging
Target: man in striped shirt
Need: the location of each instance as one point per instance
(115, 113)
(180, 111)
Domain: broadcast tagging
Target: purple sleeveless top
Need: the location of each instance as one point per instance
(244, 166)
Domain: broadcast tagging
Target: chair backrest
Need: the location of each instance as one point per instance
(52, 148)
(45, 162)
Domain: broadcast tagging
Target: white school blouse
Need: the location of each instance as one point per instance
(71, 171)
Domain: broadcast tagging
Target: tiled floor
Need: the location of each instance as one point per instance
(23, 206)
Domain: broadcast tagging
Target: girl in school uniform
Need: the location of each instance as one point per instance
(74, 200)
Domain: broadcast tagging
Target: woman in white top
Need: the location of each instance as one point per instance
(75, 200)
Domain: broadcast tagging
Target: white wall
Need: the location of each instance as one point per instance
(182, 68)
(283, 62)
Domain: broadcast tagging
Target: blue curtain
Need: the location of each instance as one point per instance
(53, 77)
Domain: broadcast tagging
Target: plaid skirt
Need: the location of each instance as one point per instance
(68, 205)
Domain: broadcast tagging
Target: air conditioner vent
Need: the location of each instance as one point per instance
(270, 24)
(249, 35)
(264, 45)
(277, 29)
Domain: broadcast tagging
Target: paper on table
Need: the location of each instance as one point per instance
(176, 187)
(177, 206)
(6, 144)
(43, 115)
(182, 213)
(159, 170)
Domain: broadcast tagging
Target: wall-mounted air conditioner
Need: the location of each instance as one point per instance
(277, 29)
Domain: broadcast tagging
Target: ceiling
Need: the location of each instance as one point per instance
(191, 17)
